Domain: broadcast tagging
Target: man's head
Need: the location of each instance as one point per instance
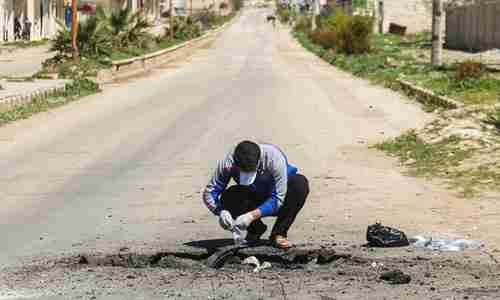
(246, 157)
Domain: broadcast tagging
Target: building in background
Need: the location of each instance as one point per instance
(36, 19)
(151, 8)
(29, 19)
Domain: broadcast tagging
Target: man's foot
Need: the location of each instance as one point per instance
(254, 237)
(280, 242)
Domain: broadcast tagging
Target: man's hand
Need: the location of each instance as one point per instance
(243, 221)
(226, 220)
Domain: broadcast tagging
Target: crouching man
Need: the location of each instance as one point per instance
(267, 185)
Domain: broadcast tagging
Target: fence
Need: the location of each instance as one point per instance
(474, 27)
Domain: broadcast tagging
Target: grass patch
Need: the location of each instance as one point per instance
(481, 90)
(444, 159)
(424, 159)
(26, 44)
(73, 91)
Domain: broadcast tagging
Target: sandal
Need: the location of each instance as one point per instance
(281, 242)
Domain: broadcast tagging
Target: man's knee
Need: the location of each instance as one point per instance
(299, 185)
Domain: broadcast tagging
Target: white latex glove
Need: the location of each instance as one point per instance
(226, 220)
(243, 221)
(237, 236)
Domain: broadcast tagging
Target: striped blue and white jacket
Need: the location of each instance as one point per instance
(272, 179)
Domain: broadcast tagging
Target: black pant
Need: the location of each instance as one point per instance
(239, 200)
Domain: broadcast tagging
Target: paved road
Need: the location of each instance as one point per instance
(126, 167)
(23, 62)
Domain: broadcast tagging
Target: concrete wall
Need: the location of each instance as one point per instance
(416, 15)
(474, 27)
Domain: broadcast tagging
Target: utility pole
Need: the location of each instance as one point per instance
(381, 17)
(74, 27)
(191, 7)
(171, 8)
(437, 33)
(314, 20)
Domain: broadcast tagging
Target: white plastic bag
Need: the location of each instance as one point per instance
(446, 244)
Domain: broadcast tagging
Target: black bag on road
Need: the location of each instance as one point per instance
(379, 235)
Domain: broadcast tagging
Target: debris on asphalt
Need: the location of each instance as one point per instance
(254, 261)
(376, 265)
(251, 260)
(265, 265)
(395, 277)
(445, 244)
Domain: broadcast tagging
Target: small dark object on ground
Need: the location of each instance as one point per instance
(397, 29)
(378, 235)
(326, 257)
(395, 277)
(271, 18)
(82, 260)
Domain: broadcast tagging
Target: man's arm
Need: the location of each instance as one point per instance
(279, 171)
(217, 184)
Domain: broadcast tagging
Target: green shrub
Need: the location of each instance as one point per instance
(104, 32)
(284, 15)
(93, 40)
(127, 28)
(360, 3)
(359, 29)
(324, 37)
(329, 18)
(62, 41)
(187, 28)
(346, 34)
(303, 24)
(237, 4)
